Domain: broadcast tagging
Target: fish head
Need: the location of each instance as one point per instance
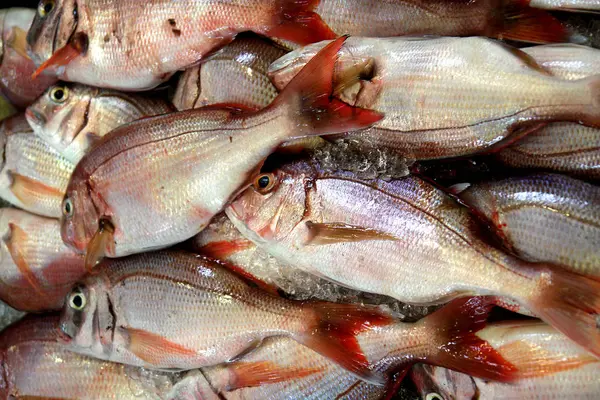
(61, 113)
(80, 219)
(274, 204)
(437, 383)
(54, 24)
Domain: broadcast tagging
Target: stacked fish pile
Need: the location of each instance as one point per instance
(294, 219)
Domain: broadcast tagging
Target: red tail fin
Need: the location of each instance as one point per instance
(526, 24)
(333, 334)
(460, 349)
(296, 21)
(571, 304)
(310, 102)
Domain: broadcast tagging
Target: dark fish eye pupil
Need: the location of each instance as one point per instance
(48, 7)
(58, 94)
(68, 207)
(263, 182)
(77, 301)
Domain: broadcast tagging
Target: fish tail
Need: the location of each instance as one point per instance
(571, 304)
(332, 333)
(296, 21)
(309, 101)
(460, 348)
(524, 23)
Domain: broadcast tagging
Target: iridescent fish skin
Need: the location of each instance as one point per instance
(37, 270)
(236, 74)
(34, 176)
(420, 248)
(35, 365)
(72, 117)
(561, 146)
(100, 43)
(552, 368)
(567, 5)
(434, 108)
(544, 218)
(172, 310)
(16, 67)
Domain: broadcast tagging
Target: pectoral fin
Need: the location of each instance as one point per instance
(330, 233)
(13, 243)
(17, 40)
(28, 190)
(152, 348)
(76, 47)
(249, 374)
(96, 248)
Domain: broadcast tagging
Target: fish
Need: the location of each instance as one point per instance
(33, 175)
(543, 218)
(16, 85)
(433, 108)
(180, 311)
(72, 117)
(236, 74)
(567, 5)
(37, 270)
(549, 364)
(405, 239)
(282, 368)
(189, 164)
(100, 43)
(36, 365)
(560, 146)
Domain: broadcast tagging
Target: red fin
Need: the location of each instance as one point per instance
(96, 248)
(153, 348)
(296, 21)
(329, 233)
(17, 40)
(333, 335)
(394, 384)
(309, 99)
(526, 24)
(571, 304)
(460, 349)
(221, 250)
(29, 191)
(76, 47)
(249, 374)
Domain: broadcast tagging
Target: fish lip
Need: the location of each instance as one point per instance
(63, 335)
(34, 117)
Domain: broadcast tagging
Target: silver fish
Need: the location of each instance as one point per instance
(567, 5)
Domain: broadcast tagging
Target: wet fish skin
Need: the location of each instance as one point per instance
(553, 366)
(37, 270)
(433, 108)
(111, 51)
(16, 68)
(324, 223)
(72, 117)
(544, 218)
(236, 74)
(566, 61)
(136, 310)
(567, 5)
(33, 176)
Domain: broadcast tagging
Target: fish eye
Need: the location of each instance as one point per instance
(264, 183)
(433, 396)
(45, 7)
(77, 300)
(67, 207)
(59, 94)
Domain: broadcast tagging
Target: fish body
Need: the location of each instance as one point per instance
(382, 237)
(34, 176)
(551, 367)
(544, 218)
(16, 67)
(561, 146)
(435, 109)
(37, 270)
(100, 43)
(189, 164)
(236, 74)
(72, 117)
(567, 5)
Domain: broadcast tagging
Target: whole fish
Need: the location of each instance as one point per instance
(549, 365)
(72, 117)
(16, 85)
(561, 146)
(172, 310)
(189, 164)
(100, 42)
(33, 175)
(37, 270)
(236, 74)
(567, 5)
(36, 365)
(433, 108)
(282, 368)
(543, 217)
(405, 239)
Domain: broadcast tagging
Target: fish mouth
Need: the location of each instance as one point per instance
(35, 118)
(63, 333)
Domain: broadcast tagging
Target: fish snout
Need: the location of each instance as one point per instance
(35, 118)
